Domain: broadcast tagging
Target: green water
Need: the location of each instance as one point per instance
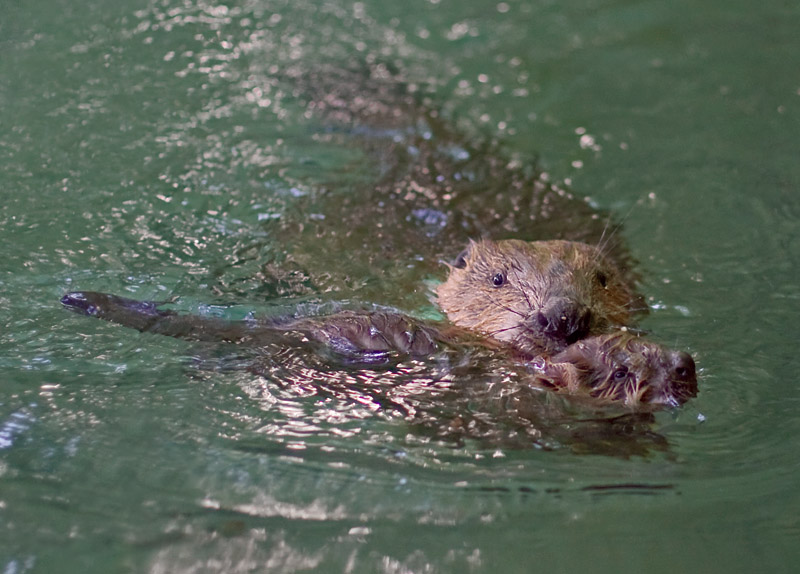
(157, 149)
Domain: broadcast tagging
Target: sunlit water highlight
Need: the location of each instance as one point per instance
(167, 149)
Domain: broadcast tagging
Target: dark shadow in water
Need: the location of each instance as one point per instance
(437, 188)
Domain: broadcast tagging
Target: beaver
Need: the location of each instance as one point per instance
(598, 396)
(622, 368)
(617, 367)
(535, 297)
(539, 296)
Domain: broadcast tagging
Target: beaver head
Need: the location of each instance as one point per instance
(538, 296)
(621, 367)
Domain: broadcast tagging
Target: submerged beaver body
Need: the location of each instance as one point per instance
(536, 296)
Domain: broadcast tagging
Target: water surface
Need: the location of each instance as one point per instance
(162, 149)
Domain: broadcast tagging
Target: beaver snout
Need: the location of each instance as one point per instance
(683, 380)
(683, 368)
(563, 320)
(684, 373)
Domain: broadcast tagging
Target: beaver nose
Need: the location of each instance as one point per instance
(684, 377)
(683, 368)
(564, 320)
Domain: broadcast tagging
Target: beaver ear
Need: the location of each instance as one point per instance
(460, 262)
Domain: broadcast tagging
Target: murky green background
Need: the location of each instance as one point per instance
(145, 149)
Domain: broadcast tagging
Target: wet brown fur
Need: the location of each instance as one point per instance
(623, 368)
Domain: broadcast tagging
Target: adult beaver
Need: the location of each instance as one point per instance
(537, 296)
(534, 297)
(616, 367)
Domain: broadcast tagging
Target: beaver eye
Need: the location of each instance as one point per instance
(499, 279)
(602, 278)
(620, 373)
(461, 261)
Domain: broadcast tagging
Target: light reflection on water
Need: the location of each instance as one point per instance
(182, 142)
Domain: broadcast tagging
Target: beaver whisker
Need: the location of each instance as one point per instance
(509, 309)
(603, 244)
(605, 239)
(634, 392)
(503, 330)
(635, 306)
(526, 289)
(602, 391)
(527, 299)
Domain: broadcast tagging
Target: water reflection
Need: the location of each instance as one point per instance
(15, 425)
(459, 398)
